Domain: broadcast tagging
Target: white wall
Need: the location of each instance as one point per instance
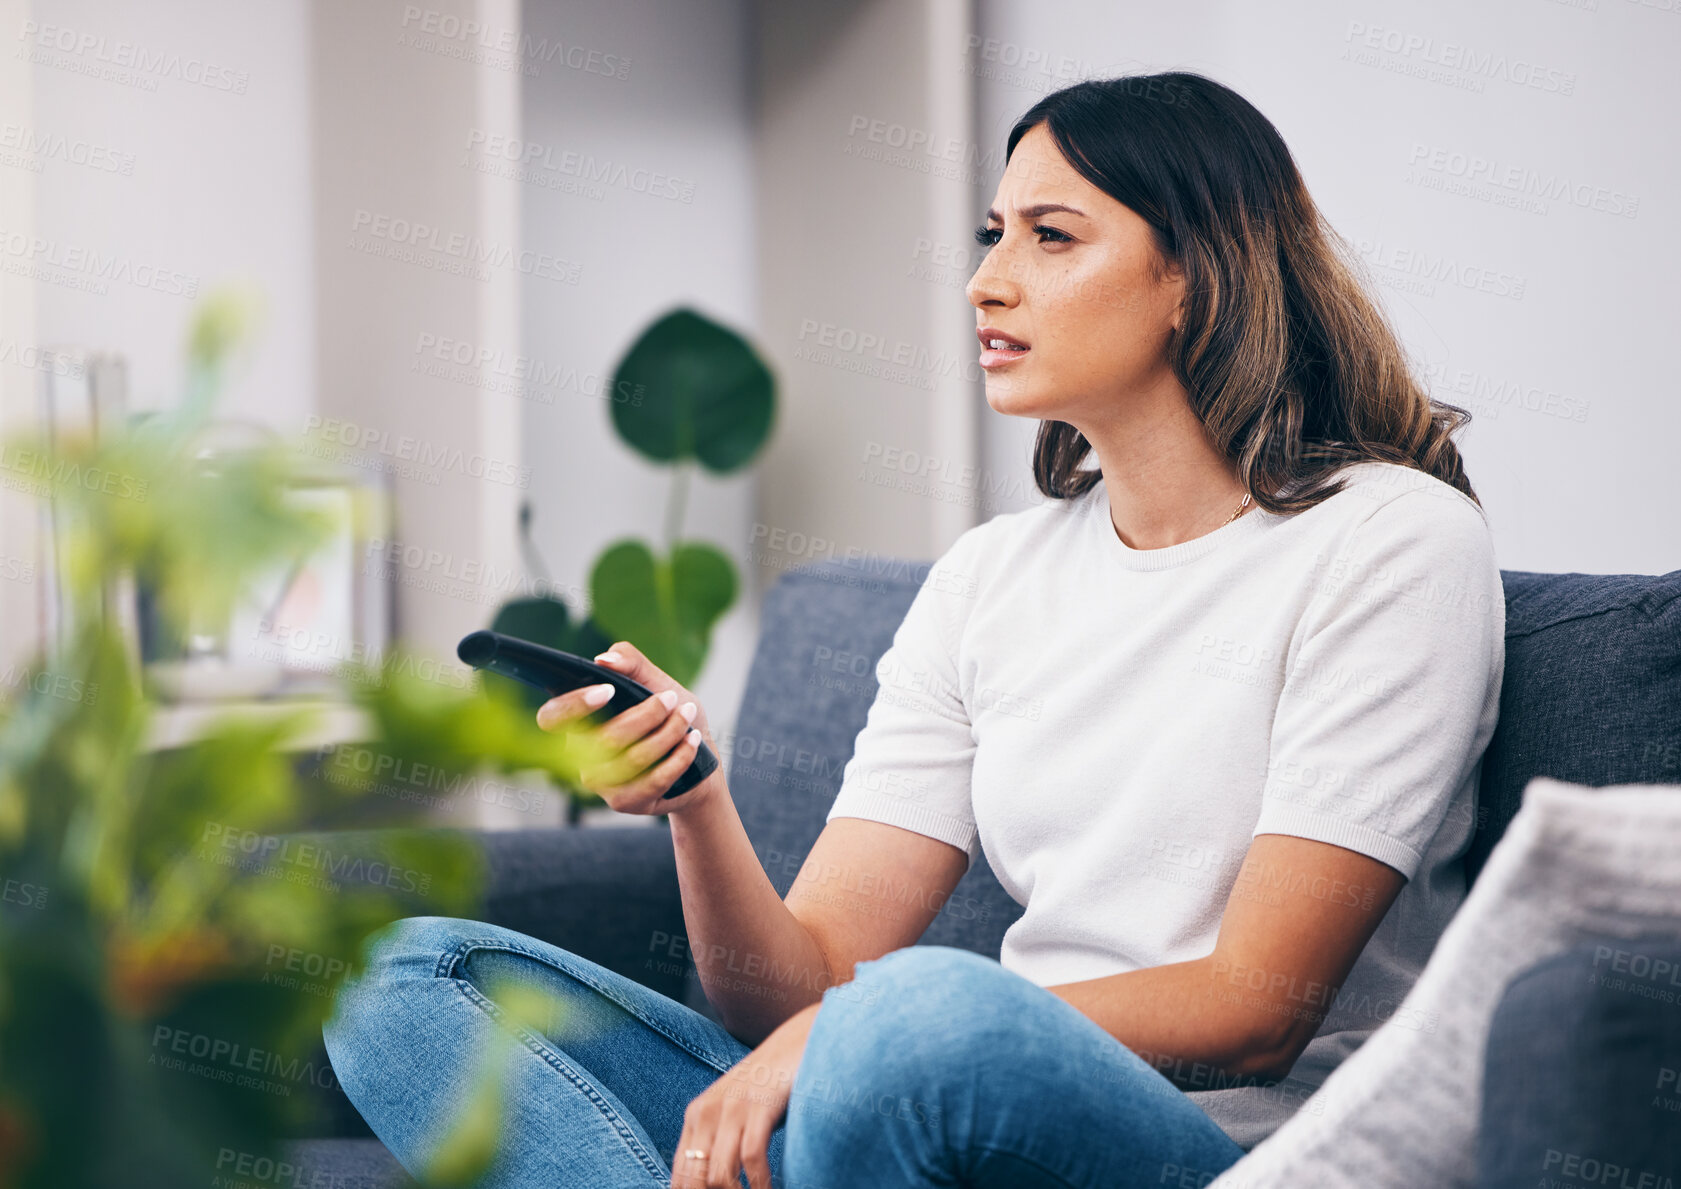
(864, 313)
(400, 226)
(22, 607)
(213, 183)
(681, 110)
(1583, 479)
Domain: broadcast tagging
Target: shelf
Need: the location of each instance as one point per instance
(178, 724)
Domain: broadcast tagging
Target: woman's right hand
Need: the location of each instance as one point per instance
(629, 773)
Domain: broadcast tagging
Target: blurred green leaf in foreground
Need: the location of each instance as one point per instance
(173, 923)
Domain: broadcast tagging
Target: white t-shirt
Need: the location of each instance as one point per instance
(1112, 726)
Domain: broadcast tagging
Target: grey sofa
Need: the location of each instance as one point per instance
(1592, 695)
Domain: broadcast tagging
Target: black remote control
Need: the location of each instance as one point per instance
(555, 672)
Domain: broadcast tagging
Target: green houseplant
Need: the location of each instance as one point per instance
(174, 922)
(698, 394)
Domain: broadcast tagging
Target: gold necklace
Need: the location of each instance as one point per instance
(1239, 511)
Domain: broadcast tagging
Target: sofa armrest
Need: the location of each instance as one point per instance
(607, 894)
(1583, 1059)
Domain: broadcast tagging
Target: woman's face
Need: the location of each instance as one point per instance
(1068, 275)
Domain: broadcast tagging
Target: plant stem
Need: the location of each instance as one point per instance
(676, 498)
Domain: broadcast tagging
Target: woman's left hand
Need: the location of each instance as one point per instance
(732, 1119)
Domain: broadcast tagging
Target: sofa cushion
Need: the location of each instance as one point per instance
(339, 1163)
(1580, 1081)
(1592, 692)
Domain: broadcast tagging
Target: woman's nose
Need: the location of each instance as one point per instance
(989, 285)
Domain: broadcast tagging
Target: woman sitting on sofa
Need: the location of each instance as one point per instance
(1212, 712)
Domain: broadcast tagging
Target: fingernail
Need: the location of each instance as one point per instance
(693, 737)
(610, 657)
(668, 698)
(687, 710)
(598, 695)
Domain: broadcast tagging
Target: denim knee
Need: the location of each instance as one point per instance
(924, 965)
(404, 949)
(408, 936)
(925, 1010)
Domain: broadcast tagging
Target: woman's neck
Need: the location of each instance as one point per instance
(1165, 482)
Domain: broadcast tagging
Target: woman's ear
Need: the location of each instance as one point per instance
(1171, 277)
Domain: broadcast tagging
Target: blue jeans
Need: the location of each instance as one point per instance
(934, 1066)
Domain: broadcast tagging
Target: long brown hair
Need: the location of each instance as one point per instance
(1293, 370)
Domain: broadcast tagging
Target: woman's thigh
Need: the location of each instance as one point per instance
(936, 1066)
(596, 1085)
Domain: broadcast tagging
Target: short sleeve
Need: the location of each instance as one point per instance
(913, 761)
(1392, 684)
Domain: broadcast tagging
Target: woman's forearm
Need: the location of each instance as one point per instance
(757, 963)
(1182, 1020)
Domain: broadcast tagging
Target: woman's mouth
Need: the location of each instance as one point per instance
(998, 348)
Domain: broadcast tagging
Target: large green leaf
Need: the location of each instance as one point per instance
(690, 388)
(543, 620)
(540, 620)
(666, 607)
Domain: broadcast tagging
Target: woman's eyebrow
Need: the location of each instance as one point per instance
(1034, 212)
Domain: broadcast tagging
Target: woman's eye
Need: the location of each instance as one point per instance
(989, 236)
